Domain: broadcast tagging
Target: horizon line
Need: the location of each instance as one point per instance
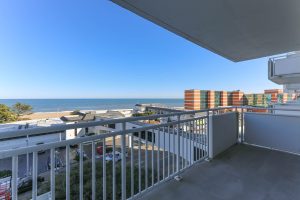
(93, 98)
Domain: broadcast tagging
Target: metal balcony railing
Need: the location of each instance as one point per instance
(116, 165)
(121, 164)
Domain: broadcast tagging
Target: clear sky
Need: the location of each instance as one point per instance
(96, 49)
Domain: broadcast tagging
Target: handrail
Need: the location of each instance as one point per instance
(59, 128)
(63, 143)
(271, 109)
(190, 141)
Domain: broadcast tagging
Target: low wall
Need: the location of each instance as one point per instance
(281, 132)
(223, 132)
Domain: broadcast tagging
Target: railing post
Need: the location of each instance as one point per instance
(67, 172)
(94, 170)
(209, 135)
(34, 175)
(14, 180)
(104, 168)
(52, 172)
(114, 170)
(242, 126)
(123, 147)
(178, 144)
(27, 156)
(81, 171)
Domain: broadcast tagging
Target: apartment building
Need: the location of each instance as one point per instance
(206, 99)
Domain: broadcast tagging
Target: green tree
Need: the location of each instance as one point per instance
(6, 115)
(20, 108)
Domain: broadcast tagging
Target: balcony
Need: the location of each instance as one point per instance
(223, 153)
(284, 70)
(241, 172)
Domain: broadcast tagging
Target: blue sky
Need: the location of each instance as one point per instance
(96, 49)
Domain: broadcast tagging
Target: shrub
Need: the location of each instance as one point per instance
(87, 181)
(5, 173)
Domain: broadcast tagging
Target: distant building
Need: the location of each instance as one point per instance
(206, 99)
(203, 99)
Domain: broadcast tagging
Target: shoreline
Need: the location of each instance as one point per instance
(59, 114)
(45, 115)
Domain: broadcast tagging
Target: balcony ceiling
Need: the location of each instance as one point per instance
(235, 29)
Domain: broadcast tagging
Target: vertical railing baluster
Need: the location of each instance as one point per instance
(242, 126)
(195, 127)
(158, 155)
(164, 151)
(140, 167)
(190, 139)
(205, 148)
(146, 160)
(182, 145)
(104, 169)
(197, 133)
(178, 145)
(207, 132)
(123, 147)
(94, 171)
(169, 150)
(186, 147)
(132, 165)
(201, 137)
(14, 181)
(27, 156)
(114, 170)
(52, 173)
(81, 171)
(67, 172)
(193, 138)
(152, 157)
(34, 175)
(174, 150)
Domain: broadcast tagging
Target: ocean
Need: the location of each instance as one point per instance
(56, 105)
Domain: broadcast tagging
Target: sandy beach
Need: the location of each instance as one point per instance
(46, 115)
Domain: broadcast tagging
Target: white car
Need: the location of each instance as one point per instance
(83, 153)
(118, 156)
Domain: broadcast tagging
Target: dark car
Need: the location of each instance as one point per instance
(58, 163)
(25, 184)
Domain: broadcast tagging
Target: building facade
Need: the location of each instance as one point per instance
(206, 99)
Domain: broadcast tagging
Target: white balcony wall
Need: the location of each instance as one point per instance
(223, 132)
(279, 132)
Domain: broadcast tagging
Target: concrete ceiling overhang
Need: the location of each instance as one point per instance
(235, 29)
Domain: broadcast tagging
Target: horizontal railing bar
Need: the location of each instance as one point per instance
(263, 108)
(60, 128)
(23, 150)
(271, 114)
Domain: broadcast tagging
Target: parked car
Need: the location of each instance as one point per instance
(83, 153)
(118, 156)
(108, 149)
(109, 156)
(25, 184)
(58, 163)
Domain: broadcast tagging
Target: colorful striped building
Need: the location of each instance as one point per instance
(205, 99)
